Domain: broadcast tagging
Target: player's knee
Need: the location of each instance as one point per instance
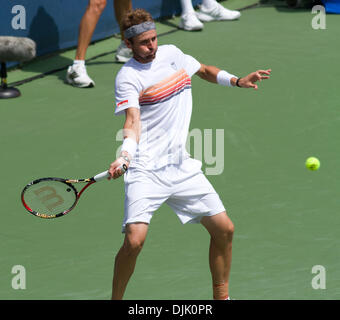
(97, 6)
(133, 246)
(227, 232)
(230, 230)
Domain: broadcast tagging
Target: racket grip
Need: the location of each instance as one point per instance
(101, 176)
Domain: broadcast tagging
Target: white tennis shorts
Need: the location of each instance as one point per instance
(183, 187)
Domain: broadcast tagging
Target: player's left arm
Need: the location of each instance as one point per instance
(216, 75)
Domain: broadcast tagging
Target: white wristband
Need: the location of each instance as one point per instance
(130, 146)
(223, 78)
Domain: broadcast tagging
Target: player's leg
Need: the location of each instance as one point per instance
(135, 235)
(221, 230)
(143, 196)
(196, 201)
(87, 26)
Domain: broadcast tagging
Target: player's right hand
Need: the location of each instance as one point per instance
(116, 168)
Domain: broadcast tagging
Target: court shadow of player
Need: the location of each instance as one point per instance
(44, 31)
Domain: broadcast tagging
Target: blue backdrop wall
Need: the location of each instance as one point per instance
(332, 6)
(53, 24)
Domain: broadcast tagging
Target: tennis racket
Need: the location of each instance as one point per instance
(50, 198)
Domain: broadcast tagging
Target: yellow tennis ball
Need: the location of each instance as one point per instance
(313, 163)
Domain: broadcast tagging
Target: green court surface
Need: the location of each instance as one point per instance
(286, 217)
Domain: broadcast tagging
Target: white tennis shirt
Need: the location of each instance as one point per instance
(161, 90)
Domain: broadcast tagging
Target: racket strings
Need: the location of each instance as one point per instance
(50, 197)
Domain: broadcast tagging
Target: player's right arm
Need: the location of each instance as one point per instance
(132, 125)
(127, 91)
(131, 133)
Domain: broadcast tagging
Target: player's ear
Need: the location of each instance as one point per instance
(128, 43)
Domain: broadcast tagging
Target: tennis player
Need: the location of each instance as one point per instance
(153, 90)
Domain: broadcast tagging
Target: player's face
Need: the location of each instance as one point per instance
(144, 46)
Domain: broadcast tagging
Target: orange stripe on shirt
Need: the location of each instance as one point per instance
(171, 85)
(176, 87)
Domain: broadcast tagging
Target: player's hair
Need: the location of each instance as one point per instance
(134, 17)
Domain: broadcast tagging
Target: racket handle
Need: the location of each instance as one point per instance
(101, 176)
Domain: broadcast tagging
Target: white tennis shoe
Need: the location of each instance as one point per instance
(217, 13)
(77, 76)
(123, 53)
(190, 22)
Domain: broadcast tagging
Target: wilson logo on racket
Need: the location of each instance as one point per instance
(46, 194)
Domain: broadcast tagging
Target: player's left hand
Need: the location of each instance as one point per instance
(249, 80)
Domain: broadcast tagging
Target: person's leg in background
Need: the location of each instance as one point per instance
(77, 74)
(123, 53)
(189, 20)
(87, 26)
(209, 10)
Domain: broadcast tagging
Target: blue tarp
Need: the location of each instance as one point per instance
(332, 6)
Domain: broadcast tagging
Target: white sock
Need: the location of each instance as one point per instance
(79, 62)
(186, 6)
(208, 4)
